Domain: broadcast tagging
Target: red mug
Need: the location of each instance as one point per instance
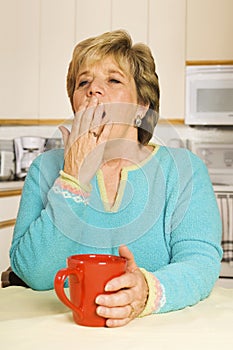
(88, 274)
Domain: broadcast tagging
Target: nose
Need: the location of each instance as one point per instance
(95, 88)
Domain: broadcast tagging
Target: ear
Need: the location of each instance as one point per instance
(142, 109)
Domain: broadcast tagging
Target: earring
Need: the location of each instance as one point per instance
(137, 121)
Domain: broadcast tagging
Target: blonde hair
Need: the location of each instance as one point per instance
(136, 60)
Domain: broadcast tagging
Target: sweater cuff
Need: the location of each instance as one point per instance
(156, 298)
(73, 182)
(69, 187)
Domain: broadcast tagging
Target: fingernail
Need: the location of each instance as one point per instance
(100, 310)
(99, 300)
(108, 288)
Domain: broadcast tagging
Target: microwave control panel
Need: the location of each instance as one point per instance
(218, 159)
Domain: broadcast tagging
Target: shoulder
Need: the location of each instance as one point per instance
(50, 158)
(181, 157)
(46, 166)
(180, 164)
(52, 155)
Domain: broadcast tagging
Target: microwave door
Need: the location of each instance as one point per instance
(209, 99)
(214, 100)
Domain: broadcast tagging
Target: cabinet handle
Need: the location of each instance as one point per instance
(10, 193)
(7, 223)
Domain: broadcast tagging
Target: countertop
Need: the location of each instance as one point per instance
(38, 320)
(11, 185)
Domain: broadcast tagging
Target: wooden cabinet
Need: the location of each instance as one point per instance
(160, 24)
(42, 36)
(37, 39)
(9, 203)
(19, 58)
(36, 49)
(209, 30)
(92, 18)
(133, 16)
(6, 234)
(57, 38)
(166, 38)
(36, 42)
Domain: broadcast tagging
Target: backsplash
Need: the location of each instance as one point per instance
(165, 133)
(10, 132)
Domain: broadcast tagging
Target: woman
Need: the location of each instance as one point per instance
(112, 188)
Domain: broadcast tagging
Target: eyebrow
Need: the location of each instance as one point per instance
(117, 72)
(110, 71)
(82, 73)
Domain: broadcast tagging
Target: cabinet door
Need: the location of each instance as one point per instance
(167, 41)
(131, 15)
(92, 18)
(19, 58)
(209, 30)
(5, 243)
(57, 38)
(9, 207)
(8, 210)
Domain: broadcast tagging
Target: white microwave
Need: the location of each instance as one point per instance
(209, 95)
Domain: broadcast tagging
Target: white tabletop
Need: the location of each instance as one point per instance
(37, 320)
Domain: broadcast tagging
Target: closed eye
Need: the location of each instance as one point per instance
(114, 81)
(82, 83)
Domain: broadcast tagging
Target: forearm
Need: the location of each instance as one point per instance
(44, 231)
(33, 256)
(183, 283)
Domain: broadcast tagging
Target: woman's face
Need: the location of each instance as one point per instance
(116, 90)
(105, 80)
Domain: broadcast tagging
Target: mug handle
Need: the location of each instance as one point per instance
(59, 281)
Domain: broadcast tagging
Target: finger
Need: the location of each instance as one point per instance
(65, 134)
(128, 255)
(82, 107)
(121, 298)
(126, 280)
(114, 312)
(87, 116)
(104, 133)
(77, 119)
(117, 323)
(75, 129)
(72, 136)
(75, 125)
(97, 121)
(112, 323)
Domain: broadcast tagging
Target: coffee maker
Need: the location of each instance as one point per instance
(27, 148)
(7, 163)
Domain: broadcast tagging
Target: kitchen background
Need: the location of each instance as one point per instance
(36, 42)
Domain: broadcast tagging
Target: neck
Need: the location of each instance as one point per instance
(122, 153)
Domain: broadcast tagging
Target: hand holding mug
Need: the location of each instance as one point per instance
(88, 275)
(128, 296)
(105, 290)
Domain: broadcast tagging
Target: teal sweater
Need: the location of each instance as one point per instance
(165, 212)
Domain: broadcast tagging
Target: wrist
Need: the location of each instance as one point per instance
(156, 294)
(74, 182)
